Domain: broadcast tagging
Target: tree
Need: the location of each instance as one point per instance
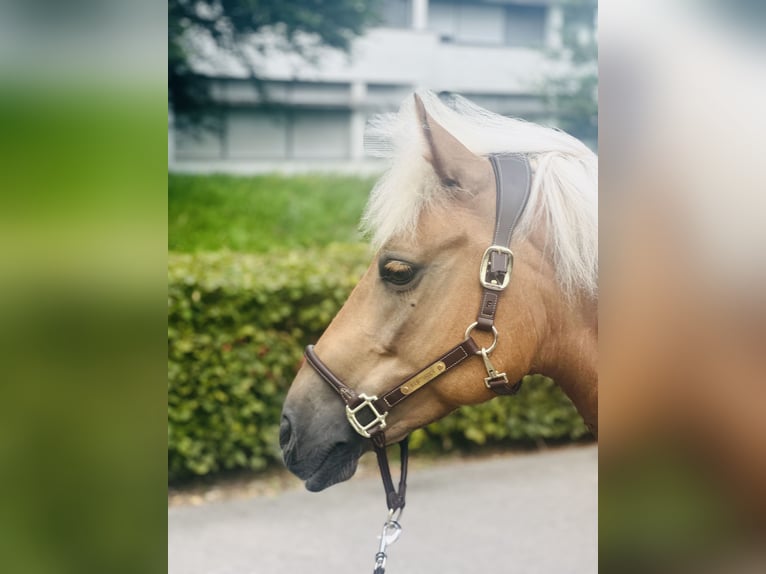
(572, 89)
(300, 24)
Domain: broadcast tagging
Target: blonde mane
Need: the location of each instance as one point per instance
(564, 190)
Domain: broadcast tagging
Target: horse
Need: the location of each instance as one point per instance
(430, 219)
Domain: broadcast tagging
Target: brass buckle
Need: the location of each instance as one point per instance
(379, 419)
(494, 285)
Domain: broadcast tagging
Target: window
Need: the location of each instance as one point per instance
(469, 23)
(253, 133)
(442, 19)
(321, 134)
(396, 13)
(525, 26)
(492, 24)
(197, 144)
(480, 24)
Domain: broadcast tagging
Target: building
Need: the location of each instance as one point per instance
(492, 51)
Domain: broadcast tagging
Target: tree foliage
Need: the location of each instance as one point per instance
(301, 25)
(572, 90)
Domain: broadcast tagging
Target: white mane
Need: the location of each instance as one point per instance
(564, 186)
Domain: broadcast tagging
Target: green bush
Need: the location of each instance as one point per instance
(539, 411)
(237, 325)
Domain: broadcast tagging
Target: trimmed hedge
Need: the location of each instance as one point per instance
(540, 411)
(237, 325)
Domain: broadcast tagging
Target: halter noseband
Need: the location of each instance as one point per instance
(367, 414)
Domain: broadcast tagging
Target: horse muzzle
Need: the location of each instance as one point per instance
(319, 452)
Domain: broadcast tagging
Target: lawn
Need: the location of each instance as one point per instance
(258, 213)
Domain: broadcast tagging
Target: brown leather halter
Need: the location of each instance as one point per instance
(367, 414)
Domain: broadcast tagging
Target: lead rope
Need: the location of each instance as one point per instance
(395, 499)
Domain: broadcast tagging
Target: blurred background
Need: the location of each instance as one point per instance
(291, 89)
(682, 387)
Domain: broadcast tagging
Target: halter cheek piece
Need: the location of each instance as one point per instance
(367, 414)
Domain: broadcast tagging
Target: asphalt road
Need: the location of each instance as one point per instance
(522, 513)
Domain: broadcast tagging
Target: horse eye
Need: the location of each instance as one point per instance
(397, 272)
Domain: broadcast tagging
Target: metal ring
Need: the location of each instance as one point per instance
(472, 326)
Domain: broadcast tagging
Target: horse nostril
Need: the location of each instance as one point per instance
(285, 431)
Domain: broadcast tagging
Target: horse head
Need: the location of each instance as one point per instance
(432, 218)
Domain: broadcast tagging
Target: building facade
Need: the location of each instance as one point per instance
(493, 52)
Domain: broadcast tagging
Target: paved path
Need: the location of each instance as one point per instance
(522, 513)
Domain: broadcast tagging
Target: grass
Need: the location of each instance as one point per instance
(259, 213)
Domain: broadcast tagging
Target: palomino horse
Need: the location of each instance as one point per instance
(431, 218)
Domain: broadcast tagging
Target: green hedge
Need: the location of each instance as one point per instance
(237, 325)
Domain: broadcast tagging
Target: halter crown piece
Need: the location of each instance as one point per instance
(367, 414)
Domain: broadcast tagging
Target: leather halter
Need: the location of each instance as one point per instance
(367, 414)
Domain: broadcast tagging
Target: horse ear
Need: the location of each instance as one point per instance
(455, 164)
